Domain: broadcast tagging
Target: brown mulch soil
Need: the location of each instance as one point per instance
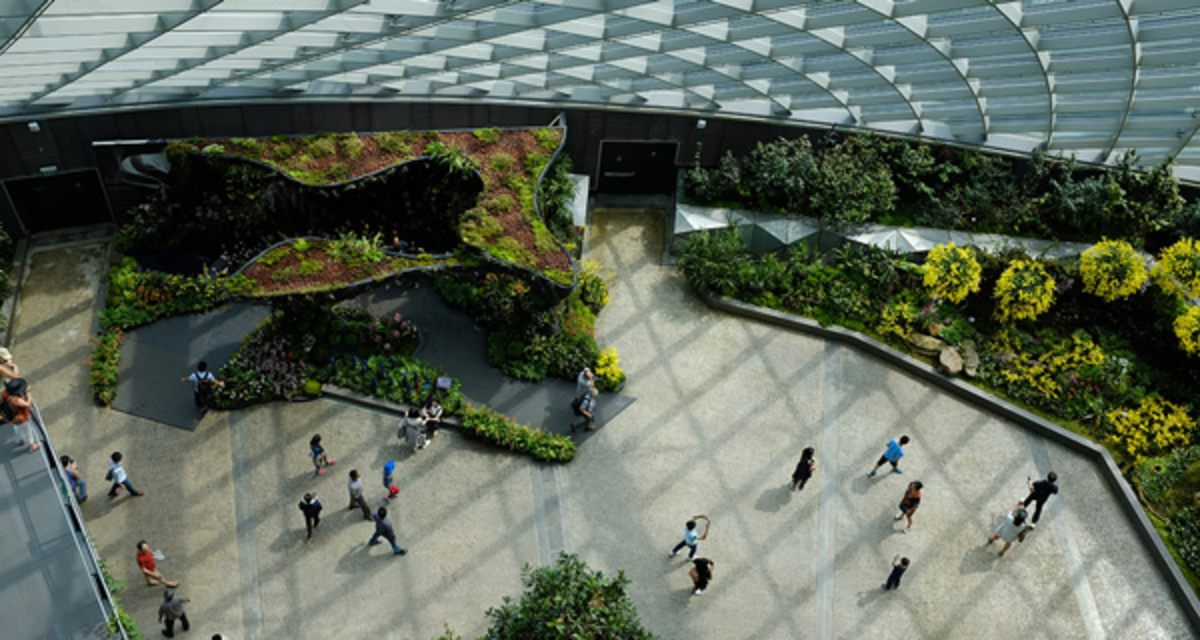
(332, 275)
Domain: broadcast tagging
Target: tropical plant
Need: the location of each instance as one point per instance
(1178, 269)
(356, 251)
(566, 601)
(951, 273)
(453, 158)
(489, 135)
(1184, 530)
(1112, 269)
(1024, 291)
(488, 425)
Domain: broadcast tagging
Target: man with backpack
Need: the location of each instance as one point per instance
(203, 382)
(585, 407)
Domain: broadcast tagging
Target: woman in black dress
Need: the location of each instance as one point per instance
(804, 469)
(701, 573)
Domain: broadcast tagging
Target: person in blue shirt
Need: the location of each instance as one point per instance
(892, 455)
(692, 537)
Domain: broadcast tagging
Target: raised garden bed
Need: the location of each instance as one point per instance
(314, 265)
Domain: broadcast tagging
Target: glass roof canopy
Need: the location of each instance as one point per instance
(1084, 77)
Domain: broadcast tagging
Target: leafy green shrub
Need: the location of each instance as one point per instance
(854, 183)
(489, 426)
(399, 378)
(488, 136)
(499, 204)
(396, 141)
(453, 158)
(356, 251)
(137, 297)
(714, 262)
(253, 146)
(351, 145)
(282, 152)
(103, 366)
(213, 149)
(320, 146)
(273, 256)
(301, 245)
(337, 172)
(502, 162)
(1184, 530)
(567, 600)
(547, 139)
(1160, 476)
(592, 288)
(309, 268)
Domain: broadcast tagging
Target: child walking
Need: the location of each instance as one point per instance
(317, 452)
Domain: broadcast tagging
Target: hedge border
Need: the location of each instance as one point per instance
(1097, 454)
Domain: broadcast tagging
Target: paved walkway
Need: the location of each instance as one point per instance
(724, 407)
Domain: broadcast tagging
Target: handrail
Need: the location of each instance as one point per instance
(74, 518)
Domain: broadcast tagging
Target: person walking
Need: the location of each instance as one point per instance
(1014, 526)
(355, 487)
(17, 408)
(1040, 492)
(585, 408)
(203, 384)
(389, 472)
(320, 459)
(171, 610)
(909, 503)
(583, 381)
(804, 469)
(899, 566)
(702, 574)
(74, 478)
(148, 563)
(116, 474)
(892, 455)
(412, 429)
(692, 536)
(311, 507)
(385, 530)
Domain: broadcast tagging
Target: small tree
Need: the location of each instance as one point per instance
(568, 600)
(1178, 269)
(1111, 269)
(1025, 291)
(951, 273)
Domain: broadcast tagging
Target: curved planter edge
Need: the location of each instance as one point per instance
(988, 402)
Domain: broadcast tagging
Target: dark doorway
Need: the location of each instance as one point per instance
(637, 167)
(60, 201)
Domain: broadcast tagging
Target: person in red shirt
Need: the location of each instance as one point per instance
(145, 560)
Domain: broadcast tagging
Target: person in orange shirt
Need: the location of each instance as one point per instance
(145, 560)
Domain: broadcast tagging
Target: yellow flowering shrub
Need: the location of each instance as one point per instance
(1178, 269)
(897, 318)
(1154, 427)
(1187, 329)
(1112, 269)
(951, 273)
(1024, 291)
(608, 370)
(1043, 375)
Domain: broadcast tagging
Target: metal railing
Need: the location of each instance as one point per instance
(74, 518)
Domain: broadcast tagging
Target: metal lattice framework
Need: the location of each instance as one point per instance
(1085, 77)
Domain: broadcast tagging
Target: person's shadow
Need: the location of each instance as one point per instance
(772, 500)
(979, 559)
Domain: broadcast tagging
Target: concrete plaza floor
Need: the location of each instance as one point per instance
(724, 407)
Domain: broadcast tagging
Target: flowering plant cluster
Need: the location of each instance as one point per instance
(1187, 329)
(1025, 291)
(393, 333)
(896, 319)
(1043, 375)
(951, 273)
(1112, 269)
(608, 370)
(266, 367)
(1154, 427)
(1178, 269)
